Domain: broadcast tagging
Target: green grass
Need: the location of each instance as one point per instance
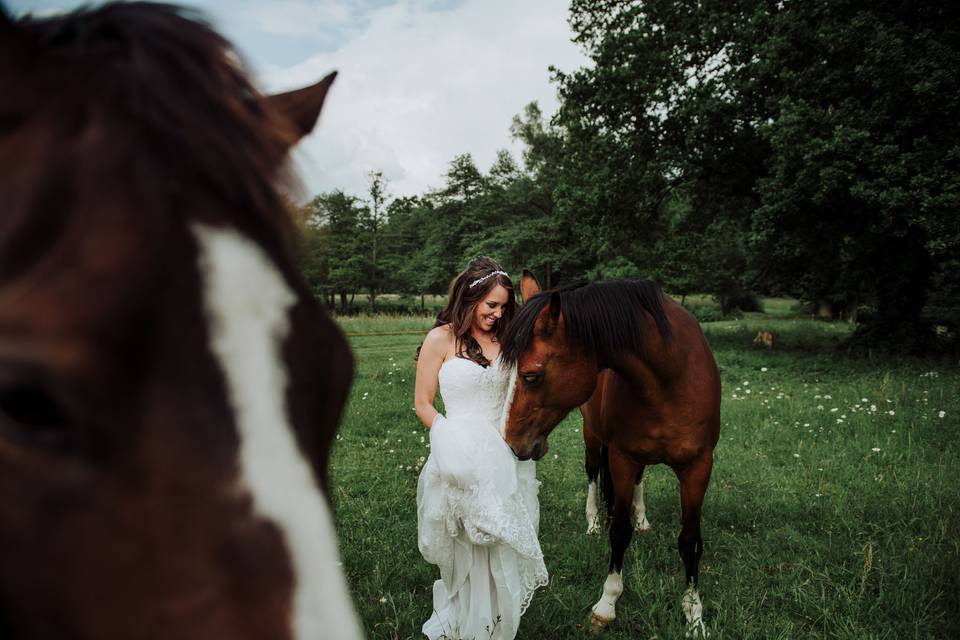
(828, 516)
(385, 324)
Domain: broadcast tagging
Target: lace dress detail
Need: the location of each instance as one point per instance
(478, 514)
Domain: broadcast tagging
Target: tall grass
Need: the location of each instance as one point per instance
(832, 512)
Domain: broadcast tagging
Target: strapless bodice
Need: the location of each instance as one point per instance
(470, 390)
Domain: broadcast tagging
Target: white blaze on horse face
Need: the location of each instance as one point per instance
(247, 303)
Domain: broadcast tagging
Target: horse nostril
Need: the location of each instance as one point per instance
(537, 452)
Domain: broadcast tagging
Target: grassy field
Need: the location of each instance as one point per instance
(832, 513)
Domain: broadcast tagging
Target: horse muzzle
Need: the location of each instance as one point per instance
(533, 452)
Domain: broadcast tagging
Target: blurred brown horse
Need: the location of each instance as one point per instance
(641, 368)
(169, 388)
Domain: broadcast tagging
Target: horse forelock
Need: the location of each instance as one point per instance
(520, 332)
(154, 84)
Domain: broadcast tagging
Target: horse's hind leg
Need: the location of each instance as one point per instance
(639, 517)
(592, 460)
(623, 473)
(694, 478)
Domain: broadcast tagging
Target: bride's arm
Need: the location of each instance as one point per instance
(432, 354)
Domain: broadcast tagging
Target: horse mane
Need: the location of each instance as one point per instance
(156, 87)
(600, 317)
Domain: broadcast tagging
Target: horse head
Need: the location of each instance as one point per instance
(553, 374)
(169, 387)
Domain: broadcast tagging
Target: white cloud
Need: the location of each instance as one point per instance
(418, 86)
(300, 17)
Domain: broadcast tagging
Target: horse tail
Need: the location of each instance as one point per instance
(606, 479)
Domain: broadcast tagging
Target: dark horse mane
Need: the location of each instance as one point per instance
(156, 87)
(600, 317)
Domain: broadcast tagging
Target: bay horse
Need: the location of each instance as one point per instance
(169, 387)
(593, 447)
(642, 369)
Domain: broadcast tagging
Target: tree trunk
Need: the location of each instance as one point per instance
(824, 309)
(903, 269)
(343, 302)
(423, 303)
(549, 277)
(852, 304)
(724, 305)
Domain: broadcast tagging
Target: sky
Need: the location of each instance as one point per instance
(420, 81)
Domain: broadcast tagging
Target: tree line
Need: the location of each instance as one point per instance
(730, 147)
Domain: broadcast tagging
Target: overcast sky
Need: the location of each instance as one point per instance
(420, 80)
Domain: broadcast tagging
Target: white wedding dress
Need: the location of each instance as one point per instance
(477, 511)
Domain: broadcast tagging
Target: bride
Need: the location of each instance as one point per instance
(477, 508)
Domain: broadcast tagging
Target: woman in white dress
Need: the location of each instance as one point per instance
(477, 508)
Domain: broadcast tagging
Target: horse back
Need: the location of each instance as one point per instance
(662, 405)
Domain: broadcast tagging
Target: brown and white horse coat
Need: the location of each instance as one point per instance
(169, 388)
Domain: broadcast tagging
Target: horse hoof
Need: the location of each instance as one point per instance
(593, 527)
(598, 624)
(643, 527)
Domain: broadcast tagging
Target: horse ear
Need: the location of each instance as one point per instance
(551, 316)
(302, 106)
(529, 286)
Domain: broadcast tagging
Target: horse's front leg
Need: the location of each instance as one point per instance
(623, 473)
(694, 479)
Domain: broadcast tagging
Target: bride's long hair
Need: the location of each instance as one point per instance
(462, 303)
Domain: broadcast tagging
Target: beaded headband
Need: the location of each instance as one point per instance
(486, 277)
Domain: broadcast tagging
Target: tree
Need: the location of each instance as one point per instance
(863, 183)
(372, 221)
(815, 144)
(336, 242)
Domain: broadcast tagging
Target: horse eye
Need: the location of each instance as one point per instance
(32, 412)
(531, 379)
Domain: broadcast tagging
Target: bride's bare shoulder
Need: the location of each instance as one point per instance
(439, 337)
